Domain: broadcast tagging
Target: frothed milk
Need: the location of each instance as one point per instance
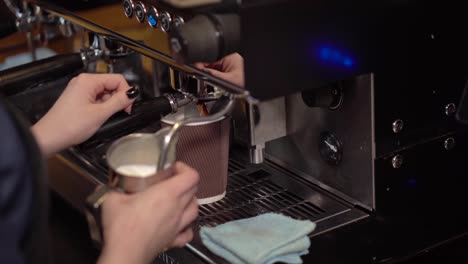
(137, 170)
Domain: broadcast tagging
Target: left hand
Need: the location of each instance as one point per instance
(138, 226)
(85, 104)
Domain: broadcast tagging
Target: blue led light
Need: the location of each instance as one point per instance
(153, 22)
(347, 62)
(336, 57)
(325, 53)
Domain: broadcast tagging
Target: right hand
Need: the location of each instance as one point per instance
(85, 104)
(229, 68)
(139, 226)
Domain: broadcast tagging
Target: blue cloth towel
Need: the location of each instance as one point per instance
(263, 239)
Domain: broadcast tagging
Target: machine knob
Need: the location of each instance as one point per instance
(166, 21)
(140, 12)
(205, 38)
(128, 6)
(178, 21)
(331, 148)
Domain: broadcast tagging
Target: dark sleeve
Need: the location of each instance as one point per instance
(16, 194)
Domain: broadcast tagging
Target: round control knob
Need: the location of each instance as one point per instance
(128, 6)
(331, 148)
(140, 12)
(205, 38)
(153, 17)
(178, 21)
(166, 21)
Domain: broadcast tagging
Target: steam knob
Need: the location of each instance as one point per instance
(166, 21)
(331, 148)
(128, 6)
(205, 38)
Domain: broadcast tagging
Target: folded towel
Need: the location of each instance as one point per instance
(263, 239)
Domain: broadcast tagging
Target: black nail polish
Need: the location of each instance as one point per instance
(133, 92)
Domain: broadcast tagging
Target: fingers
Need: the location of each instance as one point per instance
(103, 82)
(234, 77)
(187, 185)
(235, 59)
(114, 199)
(183, 238)
(117, 102)
(219, 74)
(128, 109)
(186, 178)
(189, 215)
(105, 97)
(180, 168)
(200, 65)
(181, 187)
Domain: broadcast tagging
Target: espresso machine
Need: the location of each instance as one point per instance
(348, 116)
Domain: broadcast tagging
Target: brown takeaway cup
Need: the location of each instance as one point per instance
(205, 147)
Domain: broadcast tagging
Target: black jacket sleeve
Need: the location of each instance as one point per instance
(16, 191)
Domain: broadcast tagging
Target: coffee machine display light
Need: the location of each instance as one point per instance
(334, 56)
(153, 17)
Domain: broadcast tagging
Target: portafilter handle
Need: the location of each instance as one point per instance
(143, 113)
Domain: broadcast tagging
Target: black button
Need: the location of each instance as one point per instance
(178, 21)
(165, 21)
(128, 8)
(140, 12)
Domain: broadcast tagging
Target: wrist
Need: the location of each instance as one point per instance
(111, 255)
(44, 139)
(107, 258)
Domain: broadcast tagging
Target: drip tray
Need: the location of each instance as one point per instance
(258, 189)
(252, 190)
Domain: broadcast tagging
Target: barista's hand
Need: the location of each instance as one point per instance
(85, 104)
(229, 68)
(139, 226)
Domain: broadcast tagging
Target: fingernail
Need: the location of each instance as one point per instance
(133, 92)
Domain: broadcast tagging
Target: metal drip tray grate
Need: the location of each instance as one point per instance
(251, 190)
(256, 189)
(247, 196)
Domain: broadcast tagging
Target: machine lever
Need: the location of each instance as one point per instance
(143, 113)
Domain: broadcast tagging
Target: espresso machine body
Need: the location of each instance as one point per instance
(402, 69)
(348, 118)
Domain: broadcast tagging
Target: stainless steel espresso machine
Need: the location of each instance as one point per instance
(348, 116)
